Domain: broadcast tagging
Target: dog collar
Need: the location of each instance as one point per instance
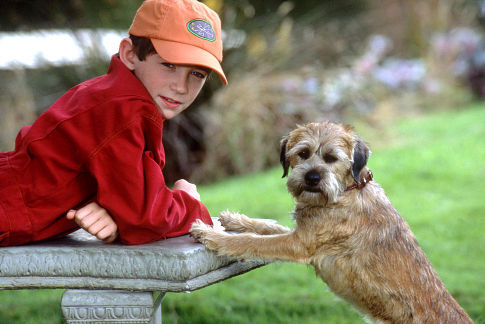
(363, 182)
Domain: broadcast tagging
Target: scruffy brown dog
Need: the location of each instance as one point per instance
(347, 228)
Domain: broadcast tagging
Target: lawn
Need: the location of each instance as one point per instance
(433, 171)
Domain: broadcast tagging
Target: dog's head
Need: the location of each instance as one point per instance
(325, 159)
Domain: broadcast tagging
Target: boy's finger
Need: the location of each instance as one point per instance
(104, 235)
(83, 213)
(70, 214)
(88, 209)
(108, 234)
(111, 238)
(95, 228)
(91, 206)
(87, 220)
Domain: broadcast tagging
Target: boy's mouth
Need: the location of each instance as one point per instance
(170, 103)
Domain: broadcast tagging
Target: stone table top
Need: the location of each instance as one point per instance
(80, 261)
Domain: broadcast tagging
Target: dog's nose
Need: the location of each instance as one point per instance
(312, 178)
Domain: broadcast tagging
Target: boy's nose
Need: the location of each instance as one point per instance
(179, 83)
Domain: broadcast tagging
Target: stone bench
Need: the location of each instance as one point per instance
(113, 283)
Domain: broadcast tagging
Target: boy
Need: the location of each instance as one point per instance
(101, 143)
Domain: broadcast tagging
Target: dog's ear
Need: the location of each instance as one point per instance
(284, 161)
(361, 155)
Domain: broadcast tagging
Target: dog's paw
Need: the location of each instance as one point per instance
(199, 229)
(233, 221)
(206, 234)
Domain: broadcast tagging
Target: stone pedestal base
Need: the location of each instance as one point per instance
(110, 306)
(120, 279)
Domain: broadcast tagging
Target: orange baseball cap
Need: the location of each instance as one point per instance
(182, 32)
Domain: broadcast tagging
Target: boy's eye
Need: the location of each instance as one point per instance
(199, 75)
(168, 65)
(304, 154)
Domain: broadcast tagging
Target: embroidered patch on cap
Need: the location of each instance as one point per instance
(202, 29)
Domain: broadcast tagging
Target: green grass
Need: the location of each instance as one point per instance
(432, 171)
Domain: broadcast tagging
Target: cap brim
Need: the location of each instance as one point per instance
(180, 53)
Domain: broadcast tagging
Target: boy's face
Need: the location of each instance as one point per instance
(172, 87)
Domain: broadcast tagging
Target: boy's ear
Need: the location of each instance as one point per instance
(127, 53)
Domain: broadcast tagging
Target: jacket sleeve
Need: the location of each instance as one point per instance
(131, 187)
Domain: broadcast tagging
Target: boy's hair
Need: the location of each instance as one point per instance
(142, 46)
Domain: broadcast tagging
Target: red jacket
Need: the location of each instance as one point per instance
(102, 140)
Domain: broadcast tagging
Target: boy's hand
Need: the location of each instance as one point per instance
(96, 221)
(188, 187)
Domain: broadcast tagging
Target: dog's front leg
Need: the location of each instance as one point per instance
(284, 247)
(241, 223)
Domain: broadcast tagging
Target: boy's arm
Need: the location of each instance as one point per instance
(95, 220)
(130, 184)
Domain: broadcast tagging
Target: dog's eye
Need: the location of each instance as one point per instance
(304, 154)
(329, 158)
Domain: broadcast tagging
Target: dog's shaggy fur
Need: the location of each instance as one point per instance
(347, 228)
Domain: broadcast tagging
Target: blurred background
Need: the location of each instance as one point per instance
(408, 74)
(287, 62)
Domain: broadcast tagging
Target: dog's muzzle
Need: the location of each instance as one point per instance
(312, 181)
